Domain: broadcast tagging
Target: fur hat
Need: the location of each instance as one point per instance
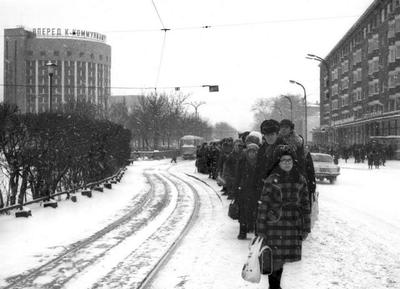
(287, 122)
(253, 139)
(252, 146)
(269, 126)
(283, 150)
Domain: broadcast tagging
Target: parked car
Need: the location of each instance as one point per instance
(324, 167)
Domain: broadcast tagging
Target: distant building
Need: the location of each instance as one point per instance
(129, 100)
(360, 80)
(83, 62)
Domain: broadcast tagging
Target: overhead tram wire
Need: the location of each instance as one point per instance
(110, 87)
(162, 47)
(219, 25)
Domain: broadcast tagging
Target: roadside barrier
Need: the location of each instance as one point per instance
(49, 200)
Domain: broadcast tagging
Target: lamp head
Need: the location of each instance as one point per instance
(50, 67)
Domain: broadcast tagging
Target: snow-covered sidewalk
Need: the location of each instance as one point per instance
(343, 250)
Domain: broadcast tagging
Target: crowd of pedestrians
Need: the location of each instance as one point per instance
(270, 176)
(373, 153)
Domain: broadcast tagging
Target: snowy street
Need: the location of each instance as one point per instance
(168, 212)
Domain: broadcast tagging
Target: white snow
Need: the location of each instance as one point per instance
(29, 242)
(355, 243)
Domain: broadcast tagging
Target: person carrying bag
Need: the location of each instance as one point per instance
(283, 218)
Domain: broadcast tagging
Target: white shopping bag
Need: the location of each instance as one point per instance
(251, 271)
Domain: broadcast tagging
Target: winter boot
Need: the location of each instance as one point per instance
(275, 279)
(243, 232)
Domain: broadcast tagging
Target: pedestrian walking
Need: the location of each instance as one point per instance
(246, 194)
(283, 213)
(231, 166)
(370, 158)
(174, 156)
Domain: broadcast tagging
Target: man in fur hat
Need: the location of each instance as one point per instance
(270, 130)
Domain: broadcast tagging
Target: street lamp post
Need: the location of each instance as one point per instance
(291, 106)
(50, 68)
(327, 67)
(305, 106)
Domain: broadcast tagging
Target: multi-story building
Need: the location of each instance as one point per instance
(83, 62)
(360, 80)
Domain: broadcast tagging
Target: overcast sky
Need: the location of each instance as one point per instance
(251, 50)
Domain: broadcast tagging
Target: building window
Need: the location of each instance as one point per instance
(345, 66)
(42, 53)
(397, 24)
(335, 104)
(56, 53)
(81, 54)
(397, 47)
(391, 28)
(392, 54)
(345, 83)
(392, 79)
(373, 43)
(334, 89)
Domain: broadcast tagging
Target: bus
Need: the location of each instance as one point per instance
(188, 146)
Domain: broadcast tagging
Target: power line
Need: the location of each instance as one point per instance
(266, 22)
(158, 14)
(104, 87)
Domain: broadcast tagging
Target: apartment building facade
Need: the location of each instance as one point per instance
(82, 72)
(360, 81)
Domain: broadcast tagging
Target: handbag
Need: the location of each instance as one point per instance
(314, 209)
(266, 261)
(233, 211)
(251, 270)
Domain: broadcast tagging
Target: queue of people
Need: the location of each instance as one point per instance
(271, 177)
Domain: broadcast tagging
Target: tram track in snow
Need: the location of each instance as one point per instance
(140, 267)
(56, 272)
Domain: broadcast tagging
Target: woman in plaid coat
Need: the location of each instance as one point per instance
(283, 212)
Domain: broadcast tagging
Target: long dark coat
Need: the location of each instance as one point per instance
(230, 171)
(247, 196)
(283, 215)
(265, 164)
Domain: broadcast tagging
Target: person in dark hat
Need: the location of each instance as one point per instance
(246, 196)
(288, 136)
(269, 129)
(230, 168)
(283, 211)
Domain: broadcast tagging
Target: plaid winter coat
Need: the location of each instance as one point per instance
(283, 215)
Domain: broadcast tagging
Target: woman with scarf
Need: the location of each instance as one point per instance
(283, 212)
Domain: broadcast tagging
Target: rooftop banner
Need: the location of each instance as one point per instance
(68, 33)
